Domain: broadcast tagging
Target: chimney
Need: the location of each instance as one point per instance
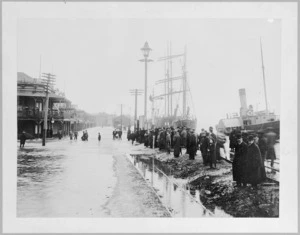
(243, 110)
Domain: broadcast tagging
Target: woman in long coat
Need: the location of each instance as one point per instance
(253, 163)
(239, 161)
(177, 144)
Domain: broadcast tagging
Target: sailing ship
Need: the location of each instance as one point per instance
(170, 117)
(250, 120)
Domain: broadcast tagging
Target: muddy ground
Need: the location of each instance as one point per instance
(217, 187)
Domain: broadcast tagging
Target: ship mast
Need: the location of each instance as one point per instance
(184, 83)
(168, 81)
(263, 70)
(171, 82)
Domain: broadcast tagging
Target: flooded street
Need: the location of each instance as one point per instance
(66, 177)
(69, 178)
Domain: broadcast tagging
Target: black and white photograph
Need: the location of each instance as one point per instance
(151, 111)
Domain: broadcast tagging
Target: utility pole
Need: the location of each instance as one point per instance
(135, 92)
(121, 117)
(48, 82)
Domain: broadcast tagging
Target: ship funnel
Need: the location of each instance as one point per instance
(243, 110)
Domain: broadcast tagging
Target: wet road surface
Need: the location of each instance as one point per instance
(69, 178)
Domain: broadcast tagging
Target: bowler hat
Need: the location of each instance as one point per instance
(238, 136)
(250, 137)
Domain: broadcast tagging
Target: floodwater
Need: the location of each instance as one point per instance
(175, 194)
(66, 178)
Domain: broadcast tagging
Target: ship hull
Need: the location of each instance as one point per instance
(188, 123)
(263, 127)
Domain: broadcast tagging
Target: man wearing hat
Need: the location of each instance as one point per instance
(183, 137)
(188, 139)
(204, 148)
(192, 145)
(239, 160)
(253, 164)
(177, 144)
(168, 141)
(22, 139)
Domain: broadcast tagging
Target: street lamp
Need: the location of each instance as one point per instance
(146, 50)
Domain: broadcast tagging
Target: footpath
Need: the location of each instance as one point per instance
(216, 185)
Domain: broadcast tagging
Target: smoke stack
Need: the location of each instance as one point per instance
(243, 110)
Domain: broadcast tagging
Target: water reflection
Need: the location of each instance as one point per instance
(183, 199)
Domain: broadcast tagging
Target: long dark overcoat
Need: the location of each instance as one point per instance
(211, 153)
(177, 144)
(183, 138)
(192, 146)
(204, 150)
(253, 169)
(239, 162)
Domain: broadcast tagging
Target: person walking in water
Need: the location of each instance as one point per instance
(99, 137)
(22, 139)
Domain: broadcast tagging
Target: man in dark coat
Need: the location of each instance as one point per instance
(150, 139)
(188, 139)
(233, 139)
(172, 137)
(146, 139)
(114, 134)
(261, 142)
(183, 136)
(168, 141)
(162, 140)
(211, 152)
(192, 145)
(133, 137)
(253, 164)
(239, 161)
(177, 144)
(128, 134)
(204, 149)
(22, 139)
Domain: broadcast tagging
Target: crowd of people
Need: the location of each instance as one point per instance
(249, 150)
(117, 134)
(179, 139)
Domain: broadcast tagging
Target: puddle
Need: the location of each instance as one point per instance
(176, 194)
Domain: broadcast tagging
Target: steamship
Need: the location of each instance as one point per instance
(250, 120)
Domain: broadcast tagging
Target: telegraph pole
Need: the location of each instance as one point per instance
(121, 117)
(48, 82)
(135, 92)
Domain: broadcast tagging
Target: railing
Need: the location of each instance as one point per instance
(31, 113)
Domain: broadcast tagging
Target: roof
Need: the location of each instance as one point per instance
(23, 77)
(230, 122)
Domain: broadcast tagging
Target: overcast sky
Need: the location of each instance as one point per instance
(96, 61)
